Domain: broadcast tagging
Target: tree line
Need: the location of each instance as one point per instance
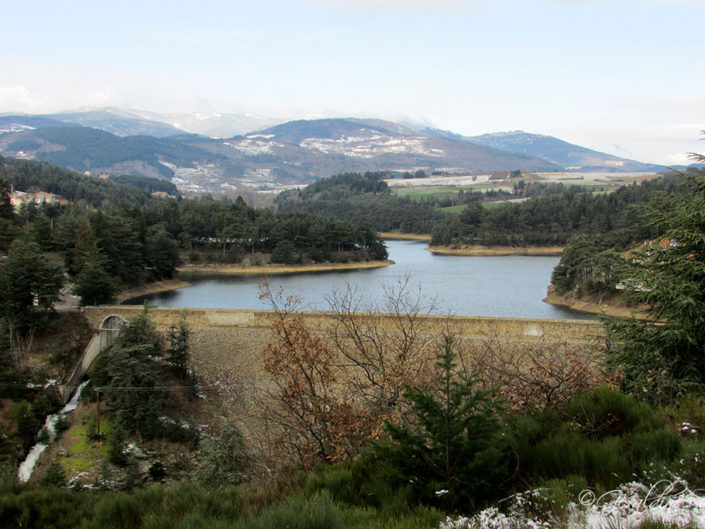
(112, 236)
(355, 197)
(552, 220)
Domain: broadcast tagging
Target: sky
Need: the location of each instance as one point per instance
(625, 77)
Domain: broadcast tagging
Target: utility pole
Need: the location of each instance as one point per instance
(97, 392)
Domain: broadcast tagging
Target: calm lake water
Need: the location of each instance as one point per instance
(510, 286)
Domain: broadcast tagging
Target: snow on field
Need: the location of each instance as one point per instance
(464, 180)
(603, 177)
(252, 146)
(370, 146)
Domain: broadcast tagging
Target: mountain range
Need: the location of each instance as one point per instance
(131, 142)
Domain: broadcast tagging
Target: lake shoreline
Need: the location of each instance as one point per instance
(611, 307)
(394, 236)
(168, 285)
(236, 270)
(147, 289)
(498, 287)
(477, 251)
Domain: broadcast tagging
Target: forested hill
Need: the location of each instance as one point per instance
(355, 198)
(551, 221)
(112, 235)
(560, 152)
(28, 175)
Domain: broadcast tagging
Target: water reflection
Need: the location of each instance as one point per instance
(510, 286)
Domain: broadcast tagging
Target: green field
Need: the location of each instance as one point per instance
(441, 192)
(452, 209)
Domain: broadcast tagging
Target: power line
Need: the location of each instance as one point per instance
(103, 389)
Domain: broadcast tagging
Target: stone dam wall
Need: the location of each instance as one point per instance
(226, 345)
(244, 321)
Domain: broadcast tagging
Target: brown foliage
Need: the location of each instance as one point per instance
(384, 354)
(334, 388)
(334, 392)
(538, 374)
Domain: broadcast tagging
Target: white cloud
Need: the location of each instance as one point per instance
(18, 98)
(100, 97)
(679, 158)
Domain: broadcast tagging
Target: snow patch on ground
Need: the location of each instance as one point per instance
(370, 146)
(627, 507)
(252, 146)
(460, 180)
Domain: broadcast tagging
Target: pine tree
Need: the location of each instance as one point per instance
(7, 211)
(94, 285)
(662, 359)
(224, 458)
(178, 352)
(162, 255)
(55, 475)
(455, 456)
(29, 285)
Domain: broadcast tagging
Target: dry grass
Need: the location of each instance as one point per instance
(151, 288)
(237, 270)
(405, 236)
(496, 250)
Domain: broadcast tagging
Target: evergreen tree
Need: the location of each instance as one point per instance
(41, 231)
(224, 458)
(178, 352)
(94, 285)
(7, 211)
(84, 248)
(455, 456)
(284, 252)
(55, 475)
(663, 359)
(134, 379)
(162, 255)
(136, 396)
(29, 285)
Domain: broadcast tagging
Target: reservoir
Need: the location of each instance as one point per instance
(508, 286)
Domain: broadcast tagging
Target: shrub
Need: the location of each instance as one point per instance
(601, 434)
(224, 459)
(55, 476)
(44, 509)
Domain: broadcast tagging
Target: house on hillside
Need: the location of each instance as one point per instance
(18, 198)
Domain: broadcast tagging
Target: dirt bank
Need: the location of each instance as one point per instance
(496, 250)
(237, 270)
(609, 307)
(394, 236)
(151, 288)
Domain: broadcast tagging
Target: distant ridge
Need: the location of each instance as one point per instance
(290, 153)
(567, 155)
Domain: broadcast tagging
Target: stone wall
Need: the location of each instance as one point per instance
(226, 351)
(466, 326)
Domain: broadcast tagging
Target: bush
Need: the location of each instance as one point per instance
(44, 509)
(318, 512)
(601, 434)
(224, 458)
(55, 476)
